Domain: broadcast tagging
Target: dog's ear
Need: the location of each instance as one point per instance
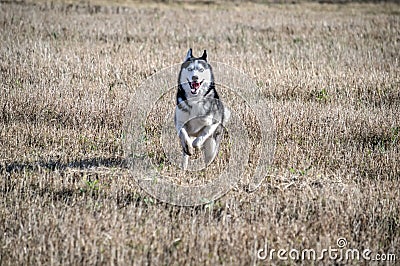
(188, 55)
(204, 56)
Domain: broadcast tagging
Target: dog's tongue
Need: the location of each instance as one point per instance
(195, 86)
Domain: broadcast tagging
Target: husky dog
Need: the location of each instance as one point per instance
(199, 114)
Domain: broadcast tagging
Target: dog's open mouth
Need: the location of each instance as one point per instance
(194, 85)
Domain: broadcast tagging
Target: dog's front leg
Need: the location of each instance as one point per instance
(185, 141)
(186, 147)
(205, 134)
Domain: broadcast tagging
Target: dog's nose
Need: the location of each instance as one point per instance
(195, 78)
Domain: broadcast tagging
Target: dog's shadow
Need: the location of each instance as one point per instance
(53, 165)
(84, 179)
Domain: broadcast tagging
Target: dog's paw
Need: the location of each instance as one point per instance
(198, 142)
(188, 149)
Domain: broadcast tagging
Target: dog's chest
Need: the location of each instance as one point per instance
(195, 115)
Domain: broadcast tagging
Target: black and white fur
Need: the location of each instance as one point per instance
(199, 113)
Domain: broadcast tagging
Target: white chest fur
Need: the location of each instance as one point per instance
(195, 114)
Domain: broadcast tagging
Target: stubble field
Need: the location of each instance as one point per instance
(329, 72)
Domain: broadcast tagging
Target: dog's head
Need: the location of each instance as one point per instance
(196, 76)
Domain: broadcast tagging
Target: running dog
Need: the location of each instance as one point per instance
(199, 113)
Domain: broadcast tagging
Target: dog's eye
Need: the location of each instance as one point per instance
(201, 69)
(190, 69)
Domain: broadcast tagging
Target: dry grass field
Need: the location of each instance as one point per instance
(329, 72)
